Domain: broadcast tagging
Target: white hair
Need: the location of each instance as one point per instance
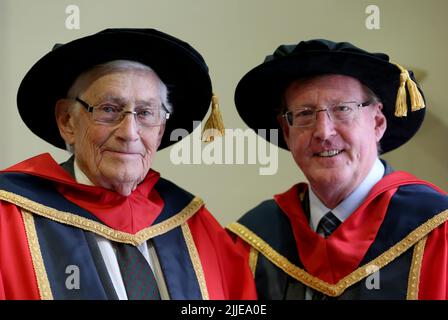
(85, 78)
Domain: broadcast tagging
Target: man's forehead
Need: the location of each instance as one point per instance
(122, 83)
(102, 81)
(115, 75)
(335, 83)
(326, 80)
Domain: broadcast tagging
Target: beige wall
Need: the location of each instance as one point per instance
(234, 36)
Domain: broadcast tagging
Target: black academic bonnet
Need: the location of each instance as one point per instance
(258, 96)
(178, 65)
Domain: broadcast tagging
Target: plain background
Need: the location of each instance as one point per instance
(234, 36)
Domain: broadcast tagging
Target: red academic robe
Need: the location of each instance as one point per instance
(400, 228)
(219, 270)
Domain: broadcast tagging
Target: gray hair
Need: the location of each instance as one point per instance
(85, 78)
(116, 66)
(370, 95)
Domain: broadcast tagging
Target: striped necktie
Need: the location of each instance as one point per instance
(137, 275)
(328, 223)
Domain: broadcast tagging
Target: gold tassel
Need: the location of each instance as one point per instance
(417, 101)
(401, 107)
(214, 127)
(415, 96)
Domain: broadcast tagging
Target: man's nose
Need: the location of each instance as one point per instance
(128, 128)
(324, 127)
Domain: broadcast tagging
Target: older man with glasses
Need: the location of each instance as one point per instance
(358, 229)
(104, 225)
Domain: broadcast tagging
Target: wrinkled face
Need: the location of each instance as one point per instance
(333, 154)
(114, 156)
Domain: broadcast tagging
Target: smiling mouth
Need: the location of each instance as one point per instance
(328, 153)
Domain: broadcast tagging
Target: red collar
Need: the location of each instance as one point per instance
(335, 257)
(128, 214)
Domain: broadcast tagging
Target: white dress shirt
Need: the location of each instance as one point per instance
(110, 257)
(344, 209)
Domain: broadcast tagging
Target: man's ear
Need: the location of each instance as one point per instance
(285, 128)
(380, 122)
(65, 120)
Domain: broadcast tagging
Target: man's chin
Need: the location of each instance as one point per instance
(329, 177)
(120, 176)
(124, 190)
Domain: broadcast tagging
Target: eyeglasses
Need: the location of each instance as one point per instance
(111, 113)
(306, 116)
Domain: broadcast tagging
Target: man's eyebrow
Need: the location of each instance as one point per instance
(304, 105)
(122, 101)
(112, 98)
(152, 102)
(332, 102)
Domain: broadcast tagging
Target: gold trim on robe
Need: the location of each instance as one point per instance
(99, 228)
(36, 256)
(253, 259)
(335, 290)
(196, 261)
(414, 273)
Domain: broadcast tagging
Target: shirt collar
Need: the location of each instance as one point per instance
(344, 209)
(80, 176)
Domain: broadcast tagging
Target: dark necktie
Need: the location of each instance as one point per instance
(327, 224)
(137, 275)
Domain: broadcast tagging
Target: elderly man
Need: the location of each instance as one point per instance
(104, 225)
(358, 230)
